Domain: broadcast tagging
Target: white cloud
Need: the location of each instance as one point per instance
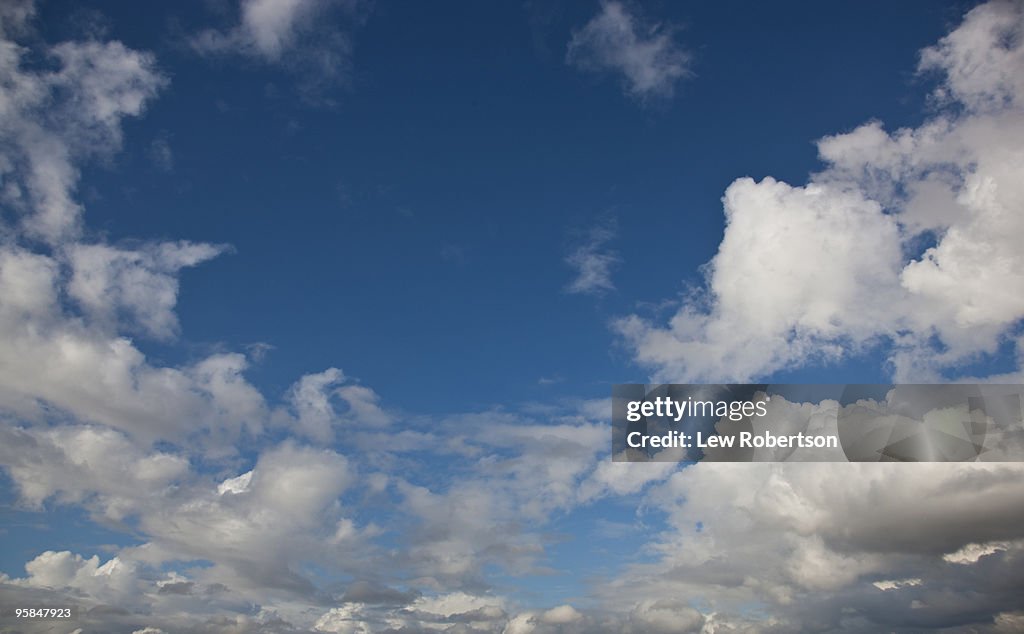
(112, 581)
(299, 483)
(261, 530)
(364, 406)
(561, 615)
(309, 37)
(238, 484)
(893, 584)
(982, 59)
(454, 603)
(820, 271)
(521, 473)
(771, 308)
(54, 118)
(52, 362)
(646, 56)
(593, 261)
(267, 28)
(314, 416)
(343, 620)
(138, 286)
(971, 553)
(79, 462)
(622, 478)
(311, 399)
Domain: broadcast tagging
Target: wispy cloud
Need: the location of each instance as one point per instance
(593, 261)
(311, 38)
(645, 55)
(161, 154)
(266, 29)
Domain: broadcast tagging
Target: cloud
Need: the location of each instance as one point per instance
(139, 287)
(817, 272)
(593, 261)
(344, 620)
(15, 16)
(646, 56)
(267, 28)
(311, 402)
(65, 308)
(522, 472)
(59, 570)
(982, 59)
(161, 155)
(313, 413)
(88, 463)
(373, 593)
(309, 37)
(844, 547)
(812, 541)
(456, 611)
(666, 615)
(51, 362)
(561, 615)
(53, 118)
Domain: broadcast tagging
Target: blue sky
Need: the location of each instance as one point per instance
(417, 229)
(312, 309)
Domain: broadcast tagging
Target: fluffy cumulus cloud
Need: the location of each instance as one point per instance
(816, 272)
(644, 56)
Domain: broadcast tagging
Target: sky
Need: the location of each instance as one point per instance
(310, 310)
